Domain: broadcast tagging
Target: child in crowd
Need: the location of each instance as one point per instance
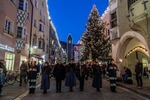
(2, 79)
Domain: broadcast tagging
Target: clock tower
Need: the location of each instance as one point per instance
(69, 48)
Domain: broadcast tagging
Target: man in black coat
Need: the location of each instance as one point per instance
(138, 71)
(59, 74)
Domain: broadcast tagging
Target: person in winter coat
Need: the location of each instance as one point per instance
(81, 71)
(71, 75)
(97, 76)
(112, 73)
(59, 73)
(45, 80)
(23, 72)
(32, 75)
(138, 71)
(2, 80)
(2, 65)
(127, 76)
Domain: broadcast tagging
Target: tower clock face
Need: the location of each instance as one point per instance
(69, 41)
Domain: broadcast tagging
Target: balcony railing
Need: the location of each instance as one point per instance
(130, 2)
(113, 4)
(114, 35)
(138, 11)
(36, 51)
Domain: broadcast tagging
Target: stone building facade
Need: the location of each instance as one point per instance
(24, 31)
(39, 50)
(14, 30)
(129, 32)
(56, 52)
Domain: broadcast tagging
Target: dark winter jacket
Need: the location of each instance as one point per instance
(112, 69)
(71, 68)
(4, 68)
(138, 68)
(97, 79)
(23, 69)
(2, 79)
(128, 72)
(32, 72)
(81, 70)
(59, 72)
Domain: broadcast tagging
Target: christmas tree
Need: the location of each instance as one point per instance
(96, 44)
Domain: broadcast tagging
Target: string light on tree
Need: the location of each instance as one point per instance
(96, 44)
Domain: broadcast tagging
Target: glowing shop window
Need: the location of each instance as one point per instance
(144, 62)
(9, 58)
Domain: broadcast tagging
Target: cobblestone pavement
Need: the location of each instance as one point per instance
(145, 91)
(12, 91)
(88, 94)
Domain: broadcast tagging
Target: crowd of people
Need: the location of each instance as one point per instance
(70, 73)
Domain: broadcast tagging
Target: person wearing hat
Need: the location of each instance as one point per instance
(45, 80)
(71, 75)
(2, 80)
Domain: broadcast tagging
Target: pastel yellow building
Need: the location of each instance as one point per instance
(130, 32)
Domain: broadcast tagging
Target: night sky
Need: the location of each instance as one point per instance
(70, 16)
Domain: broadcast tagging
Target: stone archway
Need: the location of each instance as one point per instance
(124, 41)
(124, 46)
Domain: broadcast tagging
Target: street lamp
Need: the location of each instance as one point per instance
(31, 29)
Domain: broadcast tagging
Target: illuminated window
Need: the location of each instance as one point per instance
(144, 62)
(9, 58)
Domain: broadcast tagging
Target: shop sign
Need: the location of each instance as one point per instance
(5, 47)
